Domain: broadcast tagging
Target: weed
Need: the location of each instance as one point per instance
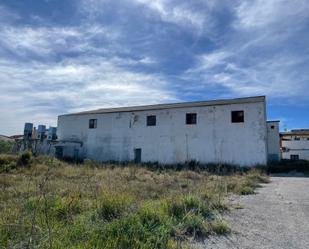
(53, 204)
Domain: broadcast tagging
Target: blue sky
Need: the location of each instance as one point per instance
(60, 56)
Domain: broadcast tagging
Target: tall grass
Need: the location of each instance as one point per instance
(46, 203)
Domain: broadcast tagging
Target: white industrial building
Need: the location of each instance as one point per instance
(231, 131)
(295, 144)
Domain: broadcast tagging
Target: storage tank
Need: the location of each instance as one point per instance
(41, 132)
(52, 133)
(28, 130)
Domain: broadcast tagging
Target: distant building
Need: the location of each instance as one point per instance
(295, 144)
(230, 131)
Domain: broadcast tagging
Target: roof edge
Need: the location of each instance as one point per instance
(253, 99)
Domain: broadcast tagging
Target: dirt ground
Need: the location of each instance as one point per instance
(276, 217)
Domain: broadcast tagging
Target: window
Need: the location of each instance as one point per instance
(92, 123)
(272, 127)
(191, 118)
(294, 157)
(297, 138)
(151, 120)
(237, 116)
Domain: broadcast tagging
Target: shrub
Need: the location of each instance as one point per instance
(245, 190)
(220, 227)
(65, 208)
(112, 205)
(6, 146)
(141, 230)
(7, 163)
(24, 158)
(194, 225)
(286, 166)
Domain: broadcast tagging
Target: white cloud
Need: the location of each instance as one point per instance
(176, 12)
(46, 90)
(262, 13)
(46, 41)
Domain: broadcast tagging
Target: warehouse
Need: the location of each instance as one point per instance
(230, 131)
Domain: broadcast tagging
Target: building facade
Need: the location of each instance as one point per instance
(273, 141)
(221, 131)
(295, 144)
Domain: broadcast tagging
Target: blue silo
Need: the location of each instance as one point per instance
(52, 133)
(28, 130)
(41, 132)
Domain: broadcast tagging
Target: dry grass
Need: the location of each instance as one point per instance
(51, 204)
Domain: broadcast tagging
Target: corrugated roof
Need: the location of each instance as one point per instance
(173, 105)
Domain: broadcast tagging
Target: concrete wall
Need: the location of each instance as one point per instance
(296, 147)
(213, 139)
(273, 141)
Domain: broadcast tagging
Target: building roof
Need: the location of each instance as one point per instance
(273, 121)
(296, 132)
(173, 105)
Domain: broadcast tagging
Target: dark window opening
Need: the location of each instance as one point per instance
(272, 127)
(191, 118)
(297, 138)
(151, 120)
(92, 123)
(294, 157)
(238, 116)
(137, 155)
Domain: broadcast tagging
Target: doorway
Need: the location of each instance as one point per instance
(137, 155)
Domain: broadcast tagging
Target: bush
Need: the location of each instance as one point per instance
(194, 225)
(7, 163)
(220, 227)
(6, 146)
(144, 229)
(25, 158)
(112, 205)
(286, 166)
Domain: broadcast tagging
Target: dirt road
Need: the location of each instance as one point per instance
(276, 217)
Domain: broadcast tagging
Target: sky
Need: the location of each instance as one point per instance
(62, 56)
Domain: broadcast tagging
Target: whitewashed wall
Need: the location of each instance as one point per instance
(296, 147)
(213, 139)
(273, 141)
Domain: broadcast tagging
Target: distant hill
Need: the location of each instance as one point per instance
(5, 138)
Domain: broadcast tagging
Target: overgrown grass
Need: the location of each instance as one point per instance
(46, 203)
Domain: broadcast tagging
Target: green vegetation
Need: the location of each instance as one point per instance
(47, 203)
(6, 146)
(287, 166)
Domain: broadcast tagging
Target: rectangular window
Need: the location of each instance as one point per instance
(191, 118)
(297, 138)
(294, 157)
(92, 123)
(151, 120)
(238, 116)
(272, 127)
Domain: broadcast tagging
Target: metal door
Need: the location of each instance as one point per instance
(137, 155)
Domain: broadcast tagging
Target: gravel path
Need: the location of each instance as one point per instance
(276, 217)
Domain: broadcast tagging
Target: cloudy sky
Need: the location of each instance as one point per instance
(60, 56)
